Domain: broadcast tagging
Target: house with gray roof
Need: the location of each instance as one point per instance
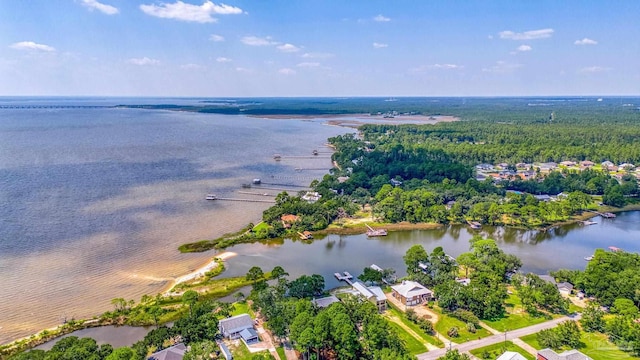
(325, 301)
(249, 336)
(411, 293)
(175, 352)
(233, 326)
(548, 354)
(371, 293)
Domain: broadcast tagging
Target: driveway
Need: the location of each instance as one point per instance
(494, 339)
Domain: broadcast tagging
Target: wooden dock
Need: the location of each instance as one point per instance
(345, 276)
(287, 185)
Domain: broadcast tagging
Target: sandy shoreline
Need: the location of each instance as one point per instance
(199, 272)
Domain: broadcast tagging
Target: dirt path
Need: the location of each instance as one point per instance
(421, 310)
(530, 349)
(399, 322)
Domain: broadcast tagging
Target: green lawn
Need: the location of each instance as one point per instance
(392, 310)
(242, 308)
(446, 322)
(280, 351)
(494, 351)
(241, 352)
(516, 317)
(414, 346)
(594, 345)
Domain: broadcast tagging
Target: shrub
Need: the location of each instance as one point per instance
(466, 316)
(471, 328)
(453, 332)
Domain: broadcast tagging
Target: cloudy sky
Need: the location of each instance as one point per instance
(319, 48)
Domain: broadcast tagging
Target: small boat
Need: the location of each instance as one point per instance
(608, 215)
(210, 197)
(277, 157)
(588, 222)
(589, 258)
(314, 152)
(257, 181)
(474, 224)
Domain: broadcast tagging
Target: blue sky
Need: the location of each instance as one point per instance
(319, 48)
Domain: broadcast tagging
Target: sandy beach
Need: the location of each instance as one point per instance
(199, 272)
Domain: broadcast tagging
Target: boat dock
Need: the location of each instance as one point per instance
(237, 199)
(474, 224)
(375, 232)
(255, 193)
(345, 276)
(287, 185)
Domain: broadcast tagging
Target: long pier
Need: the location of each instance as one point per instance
(255, 193)
(288, 185)
(282, 189)
(245, 200)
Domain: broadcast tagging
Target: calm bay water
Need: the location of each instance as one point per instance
(95, 202)
(563, 247)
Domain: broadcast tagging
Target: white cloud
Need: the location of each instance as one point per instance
(523, 48)
(288, 48)
(527, 35)
(243, 70)
(104, 8)
(585, 41)
(143, 61)
(223, 59)
(594, 69)
(425, 68)
(191, 67)
(317, 55)
(287, 71)
(188, 12)
(502, 67)
(30, 45)
(258, 41)
(381, 18)
(379, 45)
(216, 38)
(308, 64)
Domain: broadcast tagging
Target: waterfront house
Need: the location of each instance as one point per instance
(548, 278)
(548, 354)
(411, 293)
(311, 196)
(288, 219)
(565, 288)
(373, 294)
(586, 163)
(567, 163)
(233, 326)
(175, 352)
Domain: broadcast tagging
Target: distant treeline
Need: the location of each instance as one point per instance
(529, 109)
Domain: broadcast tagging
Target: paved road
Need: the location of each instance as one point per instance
(494, 339)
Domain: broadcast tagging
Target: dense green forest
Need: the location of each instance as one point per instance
(426, 173)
